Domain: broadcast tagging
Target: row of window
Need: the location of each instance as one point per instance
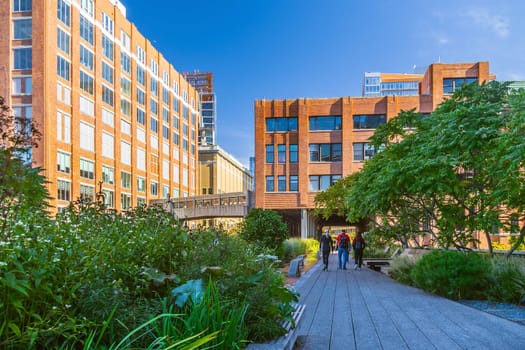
(324, 123)
(320, 152)
(315, 183)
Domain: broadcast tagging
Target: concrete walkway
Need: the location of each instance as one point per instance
(348, 309)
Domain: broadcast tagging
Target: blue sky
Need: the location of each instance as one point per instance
(277, 49)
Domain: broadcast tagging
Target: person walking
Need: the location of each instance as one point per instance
(359, 245)
(343, 244)
(325, 245)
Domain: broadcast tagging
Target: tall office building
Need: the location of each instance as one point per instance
(302, 146)
(115, 115)
(203, 83)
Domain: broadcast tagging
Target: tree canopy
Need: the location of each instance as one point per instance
(452, 175)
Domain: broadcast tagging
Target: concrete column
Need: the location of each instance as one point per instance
(304, 223)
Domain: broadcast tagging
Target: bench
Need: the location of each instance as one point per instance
(294, 270)
(286, 341)
(376, 263)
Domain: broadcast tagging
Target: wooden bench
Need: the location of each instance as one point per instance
(376, 263)
(286, 341)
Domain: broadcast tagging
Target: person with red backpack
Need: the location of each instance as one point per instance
(343, 245)
(359, 245)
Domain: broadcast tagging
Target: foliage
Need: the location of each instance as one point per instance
(400, 268)
(265, 228)
(293, 247)
(452, 274)
(507, 280)
(446, 177)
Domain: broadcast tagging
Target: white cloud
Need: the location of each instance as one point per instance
(482, 17)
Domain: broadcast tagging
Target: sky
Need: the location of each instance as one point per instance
(276, 49)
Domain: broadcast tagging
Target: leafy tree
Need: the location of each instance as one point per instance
(452, 175)
(22, 194)
(264, 227)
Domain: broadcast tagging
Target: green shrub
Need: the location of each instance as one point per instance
(291, 248)
(400, 268)
(264, 228)
(452, 274)
(508, 280)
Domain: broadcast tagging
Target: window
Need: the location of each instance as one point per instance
(154, 124)
(184, 177)
(64, 12)
(22, 5)
(141, 116)
(107, 72)
(125, 201)
(86, 57)
(281, 124)
(107, 23)
(364, 151)
(165, 95)
(141, 79)
(165, 169)
(63, 162)
(87, 137)
(109, 199)
(269, 154)
(294, 183)
(108, 147)
(184, 129)
(165, 192)
(107, 95)
(175, 138)
(107, 47)
(62, 68)
(22, 85)
(165, 115)
(293, 153)
(63, 94)
(175, 104)
(269, 184)
(153, 86)
(185, 114)
(369, 121)
(108, 175)
(141, 201)
(125, 62)
(325, 123)
(281, 153)
(63, 40)
(87, 193)
(176, 173)
(176, 122)
(22, 58)
(141, 184)
(154, 188)
(322, 182)
(141, 159)
(108, 117)
(325, 152)
(125, 40)
(141, 135)
(153, 106)
(63, 127)
(141, 55)
(86, 82)
(141, 97)
(87, 169)
(125, 107)
(87, 106)
(125, 180)
(63, 190)
(125, 153)
(22, 28)
(125, 127)
(281, 183)
(86, 30)
(125, 86)
(165, 132)
(87, 5)
(452, 84)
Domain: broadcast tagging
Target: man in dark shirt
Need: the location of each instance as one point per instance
(325, 245)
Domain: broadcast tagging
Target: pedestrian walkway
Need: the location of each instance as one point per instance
(349, 309)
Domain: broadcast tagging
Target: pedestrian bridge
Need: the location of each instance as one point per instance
(230, 205)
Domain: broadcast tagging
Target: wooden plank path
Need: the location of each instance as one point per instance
(348, 309)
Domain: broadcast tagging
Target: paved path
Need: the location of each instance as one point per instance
(348, 309)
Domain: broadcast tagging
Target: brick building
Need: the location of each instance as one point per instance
(114, 113)
(304, 145)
